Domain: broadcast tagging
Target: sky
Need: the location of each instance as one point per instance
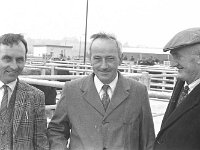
(149, 23)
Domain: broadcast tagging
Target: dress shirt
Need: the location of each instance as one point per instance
(11, 87)
(193, 85)
(99, 85)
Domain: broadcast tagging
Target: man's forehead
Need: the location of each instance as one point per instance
(103, 40)
(173, 52)
(5, 46)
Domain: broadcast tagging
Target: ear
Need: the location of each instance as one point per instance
(198, 59)
(198, 62)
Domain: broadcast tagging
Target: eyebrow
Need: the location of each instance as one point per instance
(12, 57)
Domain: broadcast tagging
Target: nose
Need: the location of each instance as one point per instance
(173, 63)
(14, 65)
(104, 64)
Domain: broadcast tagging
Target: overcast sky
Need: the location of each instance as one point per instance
(139, 22)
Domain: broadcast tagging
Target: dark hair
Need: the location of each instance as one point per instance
(11, 38)
(106, 36)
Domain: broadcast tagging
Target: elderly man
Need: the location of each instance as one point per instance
(104, 110)
(180, 129)
(22, 110)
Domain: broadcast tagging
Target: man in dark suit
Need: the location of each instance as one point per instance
(180, 129)
(103, 110)
(22, 111)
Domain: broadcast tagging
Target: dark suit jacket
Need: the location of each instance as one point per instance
(126, 125)
(29, 122)
(180, 129)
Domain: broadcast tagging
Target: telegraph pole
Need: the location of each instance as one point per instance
(86, 32)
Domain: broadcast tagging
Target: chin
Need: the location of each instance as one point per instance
(104, 81)
(10, 80)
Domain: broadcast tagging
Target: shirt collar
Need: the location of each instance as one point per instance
(11, 85)
(193, 84)
(99, 84)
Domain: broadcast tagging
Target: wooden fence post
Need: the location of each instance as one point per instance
(52, 70)
(78, 67)
(43, 71)
(145, 79)
(164, 81)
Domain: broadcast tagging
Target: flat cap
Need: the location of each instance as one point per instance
(184, 38)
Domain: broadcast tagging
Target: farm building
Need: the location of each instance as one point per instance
(138, 53)
(53, 51)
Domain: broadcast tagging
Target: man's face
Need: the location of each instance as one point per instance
(12, 61)
(105, 59)
(187, 63)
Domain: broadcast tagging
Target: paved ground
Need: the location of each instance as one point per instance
(158, 109)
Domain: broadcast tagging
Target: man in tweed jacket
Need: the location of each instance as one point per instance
(22, 111)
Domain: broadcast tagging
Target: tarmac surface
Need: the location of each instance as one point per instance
(158, 108)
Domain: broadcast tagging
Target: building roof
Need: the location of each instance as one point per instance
(143, 50)
(60, 46)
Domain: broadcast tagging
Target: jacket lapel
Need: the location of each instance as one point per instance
(174, 98)
(188, 104)
(91, 95)
(119, 95)
(19, 106)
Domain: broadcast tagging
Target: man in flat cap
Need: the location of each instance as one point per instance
(180, 129)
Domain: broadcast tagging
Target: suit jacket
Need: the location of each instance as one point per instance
(180, 129)
(126, 125)
(29, 121)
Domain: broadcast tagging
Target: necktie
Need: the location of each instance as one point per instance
(183, 95)
(105, 99)
(4, 101)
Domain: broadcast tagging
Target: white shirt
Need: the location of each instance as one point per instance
(193, 85)
(99, 85)
(11, 87)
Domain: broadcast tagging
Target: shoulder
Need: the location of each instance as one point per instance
(22, 86)
(132, 83)
(78, 82)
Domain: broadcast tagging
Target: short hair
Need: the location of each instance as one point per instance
(109, 37)
(10, 39)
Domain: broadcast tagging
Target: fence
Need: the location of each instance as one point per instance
(161, 78)
(46, 80)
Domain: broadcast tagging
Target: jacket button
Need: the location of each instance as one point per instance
(104, 148)
(159, 141)
(104, 122)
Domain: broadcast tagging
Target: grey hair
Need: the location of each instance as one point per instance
(102, 35)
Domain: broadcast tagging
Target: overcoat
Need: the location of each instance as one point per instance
(180, 129)
(29, 121)
(126, 125)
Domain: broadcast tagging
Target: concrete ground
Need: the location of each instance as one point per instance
(158, 109)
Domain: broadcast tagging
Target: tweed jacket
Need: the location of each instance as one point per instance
(180, 129)
(126, 125)
(29, 121)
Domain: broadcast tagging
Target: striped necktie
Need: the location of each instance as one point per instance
(4, 102)
(183, 95)
(105, 99)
